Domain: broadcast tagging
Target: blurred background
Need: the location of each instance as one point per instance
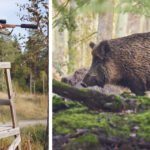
(77, 22)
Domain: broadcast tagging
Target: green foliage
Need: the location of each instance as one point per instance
(97, 6)
(35, 57)
(7, 49)
(134, 6)
(37, 133)
(60, 104)
(67, 18)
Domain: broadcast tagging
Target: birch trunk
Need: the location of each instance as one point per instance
(121, 27)
(105, 26)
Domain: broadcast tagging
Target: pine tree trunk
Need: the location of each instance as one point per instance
(34, 83)
(31, 83)
(35, 72)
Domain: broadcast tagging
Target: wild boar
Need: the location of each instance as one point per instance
(76, 78)
(123, 61)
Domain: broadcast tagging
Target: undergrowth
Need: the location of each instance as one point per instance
(34, 135)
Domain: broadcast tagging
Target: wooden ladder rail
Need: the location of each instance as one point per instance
(6, 66)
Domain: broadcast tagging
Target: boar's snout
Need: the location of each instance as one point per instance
(91, 80)
(83, 84)
(94, 78)
(66, 80)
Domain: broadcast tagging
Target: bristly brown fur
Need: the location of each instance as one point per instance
(127, 61)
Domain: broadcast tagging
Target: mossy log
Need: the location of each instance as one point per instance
(94, 99)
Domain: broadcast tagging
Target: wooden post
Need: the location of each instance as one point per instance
(29, 144)
(11, 98)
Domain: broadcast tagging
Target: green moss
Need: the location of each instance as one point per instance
(112, 124)
(118, 103)
(73, 119)
(84, 89)
(108, 124)
(141, 99)
(60, 104)
(141, 120)
(61, 84)
(142, 102)
(86, 141)
(127, 95)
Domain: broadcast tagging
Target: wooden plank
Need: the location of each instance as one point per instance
(4, 102)
(9, 132)
(5, 65)
(11, 97)
(15, 143)
(4, 128)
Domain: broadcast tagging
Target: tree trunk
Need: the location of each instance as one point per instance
(105, 26)
(142, 23)
(34, 83)
(31, 83)
(72, 51)
(121, 26)
(94, 99)
(46, 146)
(43, 84)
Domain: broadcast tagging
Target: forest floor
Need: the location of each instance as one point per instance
(77, 127)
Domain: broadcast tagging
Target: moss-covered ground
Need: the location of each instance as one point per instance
(70, 116)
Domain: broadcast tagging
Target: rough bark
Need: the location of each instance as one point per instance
(105, 26)
(94, 99)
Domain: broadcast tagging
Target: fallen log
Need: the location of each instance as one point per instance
(94, 99)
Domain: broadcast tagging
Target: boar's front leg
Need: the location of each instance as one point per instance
(137, 87)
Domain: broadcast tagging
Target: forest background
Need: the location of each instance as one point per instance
(77, 22)
(28, 54)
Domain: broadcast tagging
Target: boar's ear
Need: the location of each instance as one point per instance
(92, 45)
(102, 50)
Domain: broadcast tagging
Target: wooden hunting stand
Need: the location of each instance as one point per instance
(14, 130)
